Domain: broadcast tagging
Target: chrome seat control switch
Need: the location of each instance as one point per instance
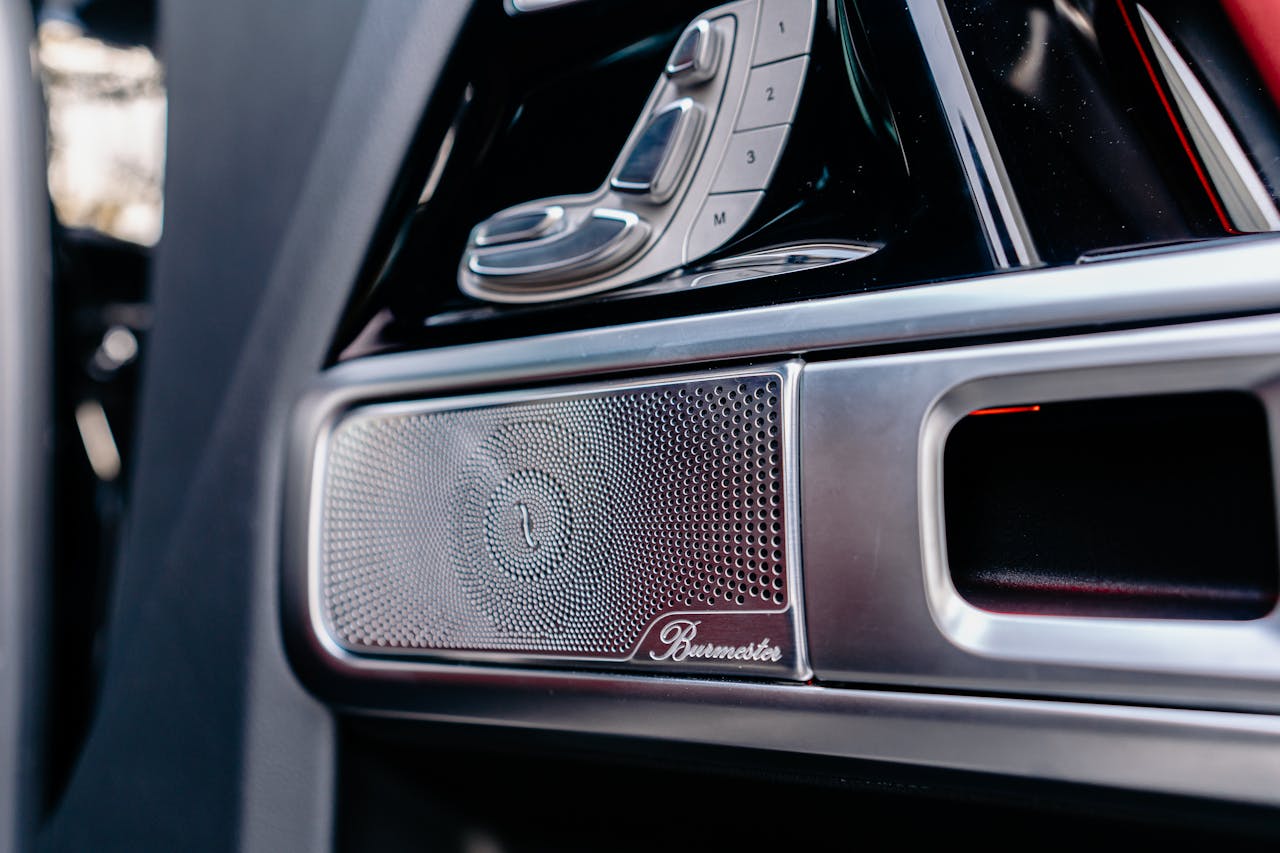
(660, 155)
(605, 238)
(519, 226)
(697, 55)
(689, 178)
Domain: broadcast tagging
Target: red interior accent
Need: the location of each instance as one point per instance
(1005, 410)
(1177, 122)
(1258, 24)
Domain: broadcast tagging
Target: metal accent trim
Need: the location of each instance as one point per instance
(525, 7)
(882, 422)
(524, 279)
(1008, 235)
(702, 66)
(550, 223)
(1248, 203)
(1197, 358)
(795, 256)
(1236, 276)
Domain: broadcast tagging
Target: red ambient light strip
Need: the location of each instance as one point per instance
(1177, 123)
(1005, 410)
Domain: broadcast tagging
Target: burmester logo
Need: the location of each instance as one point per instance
(679, 638)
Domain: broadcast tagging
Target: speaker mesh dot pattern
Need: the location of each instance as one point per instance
(561, 526)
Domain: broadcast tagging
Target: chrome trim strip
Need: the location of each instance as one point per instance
(1239, 276)
(525, 7)
(793, 257)
(445, 151)
(1006, 229)
(792, 376)
(1248, 202)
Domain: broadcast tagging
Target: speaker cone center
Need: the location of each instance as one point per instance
(527, 524)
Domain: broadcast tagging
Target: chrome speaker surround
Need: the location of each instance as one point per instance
(642, 524)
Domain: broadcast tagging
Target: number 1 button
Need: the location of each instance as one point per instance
(785, 29)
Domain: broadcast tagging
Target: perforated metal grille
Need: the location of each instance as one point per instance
(561, 526)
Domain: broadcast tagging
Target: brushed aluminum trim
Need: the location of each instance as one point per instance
(1149, 363)
(879, 548)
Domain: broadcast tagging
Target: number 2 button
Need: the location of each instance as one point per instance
(772, 94)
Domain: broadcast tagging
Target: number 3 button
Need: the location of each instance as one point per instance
(749, 160)
(772, 93)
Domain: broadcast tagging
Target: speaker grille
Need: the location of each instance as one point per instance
(564, 525)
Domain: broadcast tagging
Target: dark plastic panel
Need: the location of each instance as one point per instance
(1141, 507)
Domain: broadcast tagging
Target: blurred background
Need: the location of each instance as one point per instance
(104, 91)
